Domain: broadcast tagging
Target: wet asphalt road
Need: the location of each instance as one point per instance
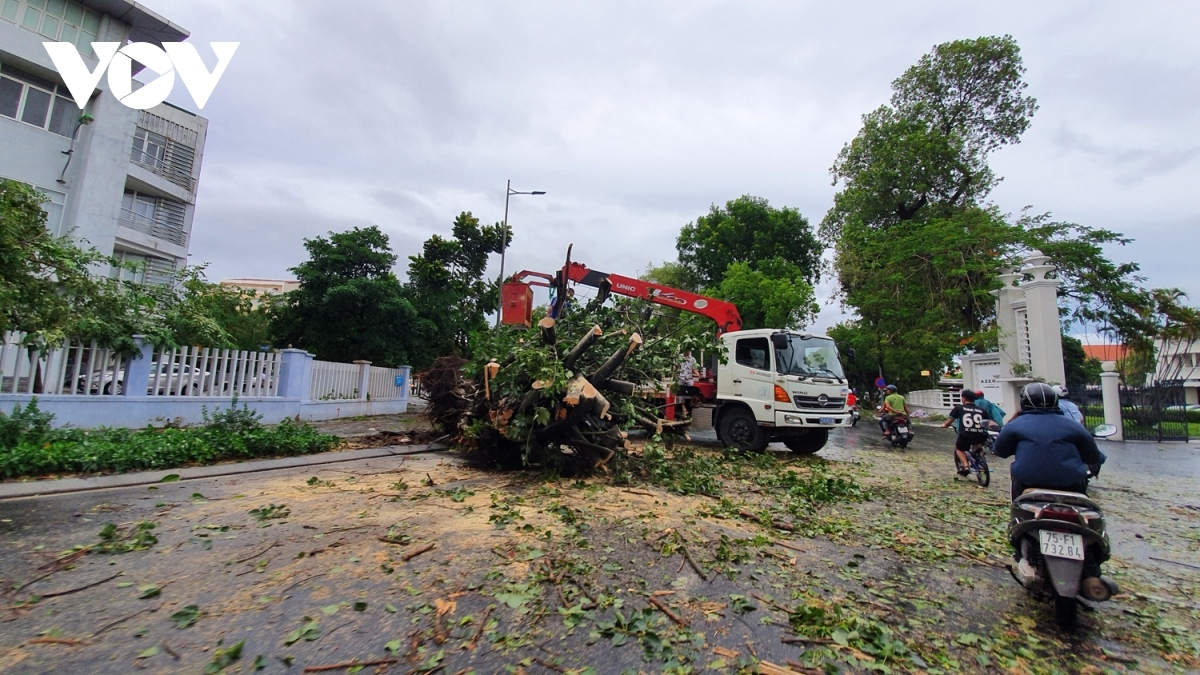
(1139, 484)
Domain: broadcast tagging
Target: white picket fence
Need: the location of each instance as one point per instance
(382, 384)
(934, 399)
(341, 381)
(85, 370)
(89, 370)
(201, 371)
(86, 386)
(335, 381)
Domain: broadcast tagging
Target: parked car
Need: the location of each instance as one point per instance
(165, 376)
(1191, 407)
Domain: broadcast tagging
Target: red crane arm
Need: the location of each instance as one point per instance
(724, 313)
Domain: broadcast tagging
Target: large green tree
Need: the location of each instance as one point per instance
(771, 294)
(47, 289)
(51, 289)
(747, 230)
(762, 258)
(203, 313)
(349, 305)
(918, 246)
(447, 287)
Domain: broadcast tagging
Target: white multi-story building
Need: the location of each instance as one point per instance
(1179, 361)
(122, 180)
(262, 287)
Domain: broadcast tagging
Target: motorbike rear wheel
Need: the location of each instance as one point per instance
(1066, 612)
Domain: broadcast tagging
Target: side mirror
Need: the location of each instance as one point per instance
(780, 341)
(850, 354)
(1104, 431)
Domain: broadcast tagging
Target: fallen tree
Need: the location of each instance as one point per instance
(564, 394)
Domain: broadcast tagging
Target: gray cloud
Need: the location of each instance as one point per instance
(636, 116)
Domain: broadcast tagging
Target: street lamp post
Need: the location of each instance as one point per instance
(504, 246)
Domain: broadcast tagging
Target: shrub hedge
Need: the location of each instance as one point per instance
(29, 446)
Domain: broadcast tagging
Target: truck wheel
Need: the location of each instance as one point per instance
(740, 430)
(807, 442)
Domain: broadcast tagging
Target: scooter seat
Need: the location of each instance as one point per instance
(1060, 496)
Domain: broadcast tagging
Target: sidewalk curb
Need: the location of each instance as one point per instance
(68, 485)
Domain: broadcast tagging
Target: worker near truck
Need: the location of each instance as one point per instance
(687, 381)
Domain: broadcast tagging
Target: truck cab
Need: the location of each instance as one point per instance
(779, 386)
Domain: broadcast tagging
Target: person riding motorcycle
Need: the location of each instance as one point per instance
(972, 429)
(1052, 450)
(1068, 407)
(893, 404)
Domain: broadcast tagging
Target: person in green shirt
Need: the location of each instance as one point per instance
(893, 404)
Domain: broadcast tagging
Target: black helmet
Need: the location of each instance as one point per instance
(1038, 395)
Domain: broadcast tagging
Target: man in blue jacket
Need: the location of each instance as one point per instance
(994, 412)
(1052, 451)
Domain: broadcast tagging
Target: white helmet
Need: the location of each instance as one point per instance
(1061, 390)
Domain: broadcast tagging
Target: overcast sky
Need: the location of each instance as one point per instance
(634, 117)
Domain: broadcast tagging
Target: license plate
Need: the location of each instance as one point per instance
(1061, 544)
(902, 430)
(826, 420)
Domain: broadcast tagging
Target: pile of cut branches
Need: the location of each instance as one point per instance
(564, 394)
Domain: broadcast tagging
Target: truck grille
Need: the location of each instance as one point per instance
(821, 402)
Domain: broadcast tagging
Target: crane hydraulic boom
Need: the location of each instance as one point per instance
(723, 313)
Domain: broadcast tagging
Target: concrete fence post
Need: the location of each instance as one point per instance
(137, 368)
(364, 379)
(1110, 389)
(406, 386)
(295, 373)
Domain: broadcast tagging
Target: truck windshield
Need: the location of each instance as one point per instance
(809, 357)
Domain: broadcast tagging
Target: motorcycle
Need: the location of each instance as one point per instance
(899, 431)
(1059, 541)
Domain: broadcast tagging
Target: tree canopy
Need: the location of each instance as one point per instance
(51, 290)
(447, 288)
(747, 230)
(349, 305)
(46, 285)
(918, 247)
(775, 295)
(763, 259)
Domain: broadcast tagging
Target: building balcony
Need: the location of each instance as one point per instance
(153, 228)
(169, 167)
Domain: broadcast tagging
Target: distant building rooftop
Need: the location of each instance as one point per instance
(268, 285)
(1106, 352)
(146, 25)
